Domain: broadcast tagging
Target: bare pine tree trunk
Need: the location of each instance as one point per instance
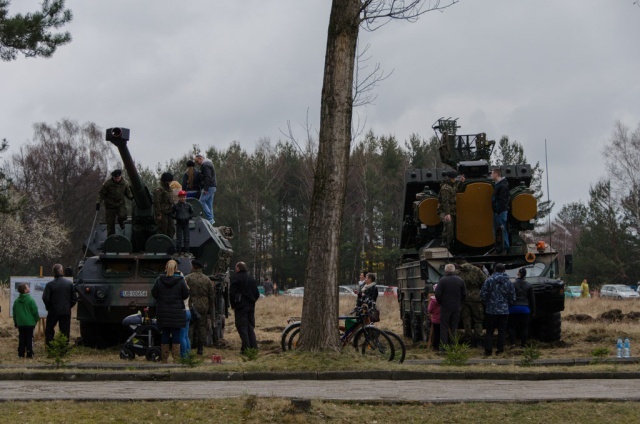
(320, 306)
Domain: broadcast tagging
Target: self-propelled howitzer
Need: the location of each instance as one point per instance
(116, 279)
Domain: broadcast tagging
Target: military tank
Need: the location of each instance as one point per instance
(116, 276)
(426, 253)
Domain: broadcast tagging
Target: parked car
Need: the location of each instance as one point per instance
(294, 292)
(572, 292)
(346, 291)
(354, 287)
(618, 291)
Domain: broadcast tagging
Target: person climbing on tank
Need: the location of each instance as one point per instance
(162, 205)
(112, 193)
(500, 204)
(182, 212)
(447, 205)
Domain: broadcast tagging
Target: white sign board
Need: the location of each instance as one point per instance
(36, 285)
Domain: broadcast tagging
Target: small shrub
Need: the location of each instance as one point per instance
(529, 354)
(191, 359)
(58, 349)
(599, 354)
(456, 353)
(250, 354)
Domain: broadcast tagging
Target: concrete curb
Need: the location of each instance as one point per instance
(184, 375)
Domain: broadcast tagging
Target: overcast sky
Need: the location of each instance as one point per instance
(211, 72)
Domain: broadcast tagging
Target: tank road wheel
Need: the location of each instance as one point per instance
(154, 354)
(406, 325)
(127, 354)
(416, 325)
(89, 334)
(548, 328)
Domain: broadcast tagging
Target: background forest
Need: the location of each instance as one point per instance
(49, 187)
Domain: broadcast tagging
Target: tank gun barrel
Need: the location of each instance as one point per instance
(119, 137)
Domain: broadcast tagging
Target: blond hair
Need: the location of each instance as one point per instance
(171, 267)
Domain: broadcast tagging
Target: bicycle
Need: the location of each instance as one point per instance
(376, 342)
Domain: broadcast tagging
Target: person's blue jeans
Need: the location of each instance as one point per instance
(206, 199)
(500, 224)
(185, 344)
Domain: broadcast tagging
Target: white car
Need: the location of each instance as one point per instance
(346, 291)
(618, 291)
(294, 292)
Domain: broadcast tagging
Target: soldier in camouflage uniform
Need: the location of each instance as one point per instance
(162, 203)
(472, 312)
(112, 193)
(201, 297)
(447, 205)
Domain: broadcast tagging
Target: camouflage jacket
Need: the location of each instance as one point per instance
(162, 199)
(201, 292)
(497, 293)
(473, 279)
(447, 198)
(113, 193)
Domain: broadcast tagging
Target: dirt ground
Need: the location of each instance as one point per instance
(583, 329)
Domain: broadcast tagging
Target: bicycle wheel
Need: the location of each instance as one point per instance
(377, 344)
(292, 344)
(285, 334)
(398, 345)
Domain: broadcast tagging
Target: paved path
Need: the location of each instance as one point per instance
(364, 390)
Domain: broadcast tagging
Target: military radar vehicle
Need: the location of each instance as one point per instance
(116, 279)
(475, 241)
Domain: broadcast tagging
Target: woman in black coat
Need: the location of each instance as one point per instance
(170, 290)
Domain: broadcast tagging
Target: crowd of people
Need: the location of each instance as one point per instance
(494, 302)
(171, 209)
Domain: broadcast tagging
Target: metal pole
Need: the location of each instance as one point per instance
(546, 164)
(92, 227)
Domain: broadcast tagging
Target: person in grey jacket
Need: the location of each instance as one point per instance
(450, 293)
(497, 293)
(59, 297)
(182, 212)
(522, 309)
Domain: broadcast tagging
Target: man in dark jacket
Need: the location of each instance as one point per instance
(162, 204)
(208, 185)
(450, 293)
(59, 297)
(243, 293)
(499, 203)
(113, 193)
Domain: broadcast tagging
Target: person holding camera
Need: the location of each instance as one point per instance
(243, 293)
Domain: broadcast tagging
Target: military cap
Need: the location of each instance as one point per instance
(166, 177)
(451, 174)
(117, 173)
(196, 264)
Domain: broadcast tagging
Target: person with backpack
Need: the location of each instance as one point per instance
(497, 293)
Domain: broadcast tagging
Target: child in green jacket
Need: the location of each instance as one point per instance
(25, 317)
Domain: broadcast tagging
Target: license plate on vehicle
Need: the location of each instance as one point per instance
(133, 293)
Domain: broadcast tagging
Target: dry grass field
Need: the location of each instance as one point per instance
(579, 338)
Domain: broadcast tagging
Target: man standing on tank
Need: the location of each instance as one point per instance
(499, 203)
(450, 293)
(243, 293)
(208, 186)
(447, 205)
(201, 298)
(162, 204)
(59, 297)
(113, 193)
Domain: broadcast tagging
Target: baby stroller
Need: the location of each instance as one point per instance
(145, 338)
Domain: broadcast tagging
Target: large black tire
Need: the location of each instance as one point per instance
(100, 335)
(417, 329)
(548, 328)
